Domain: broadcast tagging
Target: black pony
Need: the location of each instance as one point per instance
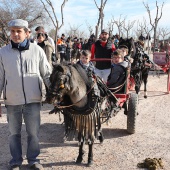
(129, 42)
(140, 66)
(75, 94)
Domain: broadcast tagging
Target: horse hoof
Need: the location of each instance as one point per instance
(145, 97)
(79, 160)
(101, 139)
(90, 163)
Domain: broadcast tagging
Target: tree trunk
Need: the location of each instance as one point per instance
(56, 49)
(154, 42)
(96, 33)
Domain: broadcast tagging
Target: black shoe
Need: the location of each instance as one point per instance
(15, 167)
(37, 166)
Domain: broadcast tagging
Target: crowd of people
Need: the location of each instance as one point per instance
(26, 63)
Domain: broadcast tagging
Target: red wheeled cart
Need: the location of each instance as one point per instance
(128, 100)
(162, 59)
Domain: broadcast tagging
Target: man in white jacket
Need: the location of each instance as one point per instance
(23, 68)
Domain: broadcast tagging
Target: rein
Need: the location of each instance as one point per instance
(118, 87)
(62, 107)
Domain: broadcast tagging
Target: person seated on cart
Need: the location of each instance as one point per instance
(86, 64)
(117, 77)
(126, 54)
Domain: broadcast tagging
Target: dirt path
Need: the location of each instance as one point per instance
(119, 151)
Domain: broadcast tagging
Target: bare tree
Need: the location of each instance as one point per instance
(74, 30)
(143, 28)
(23, 9)
(110, 26)
(119, 23)
(54, 18)
(158, 16)
(164, 32)
(140, 28)
(101, 14)
(89, 28)
(81, 34)
(128, 27)
(147, 31)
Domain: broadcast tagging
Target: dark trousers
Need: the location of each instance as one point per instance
(62, 57)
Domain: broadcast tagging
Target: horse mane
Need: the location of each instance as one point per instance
(83, 74)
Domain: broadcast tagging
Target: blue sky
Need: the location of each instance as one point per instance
(78, 12)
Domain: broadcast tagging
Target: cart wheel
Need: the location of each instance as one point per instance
(168, 81)
(132, 113)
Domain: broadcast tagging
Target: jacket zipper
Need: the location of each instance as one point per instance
(22, 78)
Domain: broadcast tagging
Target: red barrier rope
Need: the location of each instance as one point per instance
(101, 59)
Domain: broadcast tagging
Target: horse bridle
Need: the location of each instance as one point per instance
(61, 107)
(55, 92)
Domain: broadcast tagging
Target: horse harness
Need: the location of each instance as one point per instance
(87, 118)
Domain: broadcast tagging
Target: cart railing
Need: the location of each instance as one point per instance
(125, 96)
(162, 59)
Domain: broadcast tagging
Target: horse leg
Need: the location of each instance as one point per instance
(125, 108)
(100, 133)
(137, 88)
(101, 138)
(138, 77)
(145, 80)
(90, 154)
(81, 151)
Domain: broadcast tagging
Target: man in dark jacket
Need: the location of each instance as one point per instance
(102, 50)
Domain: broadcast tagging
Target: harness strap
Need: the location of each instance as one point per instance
(120, 86)
(62, 107)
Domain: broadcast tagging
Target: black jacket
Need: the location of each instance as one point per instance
(103, 52)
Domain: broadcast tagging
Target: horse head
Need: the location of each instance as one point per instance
(68, 85)
(129, 42)
(60, 84)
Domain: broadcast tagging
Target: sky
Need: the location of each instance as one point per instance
(80, 13)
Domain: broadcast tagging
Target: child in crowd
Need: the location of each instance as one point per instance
(125, 51)
(118, 70)
(85, 61)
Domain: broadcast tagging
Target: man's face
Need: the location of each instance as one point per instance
(17, 34)
(104, 36)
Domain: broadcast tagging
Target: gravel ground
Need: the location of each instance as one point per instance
(119, 151)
